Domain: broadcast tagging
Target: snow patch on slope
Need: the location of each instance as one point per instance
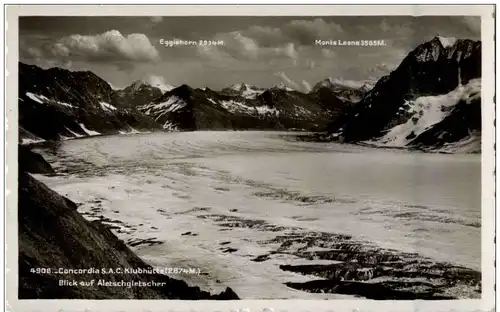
(37, 98)
(236, 107)
(428, 111)
(170, 126)
(301, 111)
(239, 107)
(74, 133)
(64, 104)
(107, 107)
(88, 131)
(251, 94)
(25, 141)
(44, 100)
(131, 131)
(237, 87)
(266, 110)
(173, 104)
(447, 42)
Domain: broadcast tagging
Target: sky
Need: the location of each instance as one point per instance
(262, 51)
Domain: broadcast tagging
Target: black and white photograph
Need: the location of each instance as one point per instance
(297, 157)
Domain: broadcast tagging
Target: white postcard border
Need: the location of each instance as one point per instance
(486, 12)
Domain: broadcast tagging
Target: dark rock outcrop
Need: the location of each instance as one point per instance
(55, 239)
(30, 161)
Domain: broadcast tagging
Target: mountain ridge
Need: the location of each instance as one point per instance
(77, 109)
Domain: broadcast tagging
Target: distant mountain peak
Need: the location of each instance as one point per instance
(243, 87)
(136, 85)
(338, 83)
(245, 90)
(162, 86)
(282, 86)
(237, 87)
(153, 81)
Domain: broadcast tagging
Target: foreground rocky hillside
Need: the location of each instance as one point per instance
(52, 234)
(431, 101)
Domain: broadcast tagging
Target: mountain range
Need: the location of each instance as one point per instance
(432, 100)
(58, 104)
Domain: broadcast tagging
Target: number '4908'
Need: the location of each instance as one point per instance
(40, 270)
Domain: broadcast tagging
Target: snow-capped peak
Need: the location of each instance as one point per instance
(152, 82)
(242, 87)
(159, 82)
(164, 87)
(447, 42)
(237, 87)
(282, 86)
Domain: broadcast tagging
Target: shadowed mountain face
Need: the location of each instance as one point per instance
(57, 103)
(440, 68)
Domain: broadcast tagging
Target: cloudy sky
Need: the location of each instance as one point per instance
(257, 50)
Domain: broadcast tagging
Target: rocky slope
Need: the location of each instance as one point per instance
(54, 236)
(56, 104)
(442, 122)
(433, 88)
